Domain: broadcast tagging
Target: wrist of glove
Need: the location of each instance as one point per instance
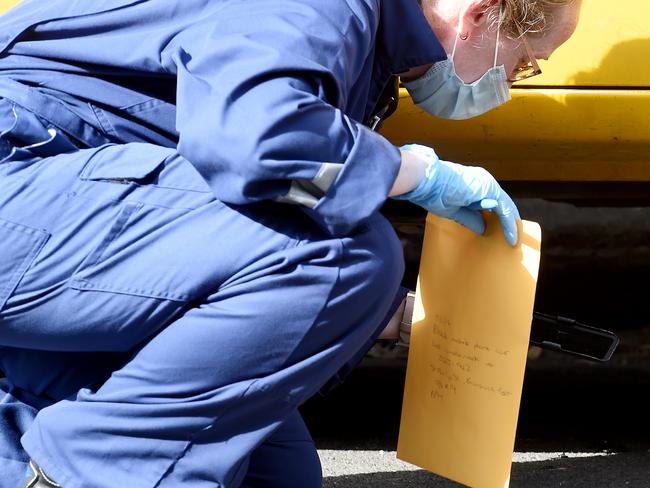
(460, 192)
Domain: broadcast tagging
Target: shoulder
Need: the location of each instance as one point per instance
(312, 17)
(313, 29)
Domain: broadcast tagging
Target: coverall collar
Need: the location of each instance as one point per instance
(407, 37)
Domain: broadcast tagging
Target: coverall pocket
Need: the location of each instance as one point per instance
(19, 246)
(150, 252)
(155, 246)
(116, 164)
(144, 164)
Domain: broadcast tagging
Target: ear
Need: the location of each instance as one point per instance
(472, 16)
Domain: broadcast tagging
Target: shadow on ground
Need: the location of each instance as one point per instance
(567, 404)
(594, 417)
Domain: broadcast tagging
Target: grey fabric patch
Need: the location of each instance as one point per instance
(326, 176)
(308, 192)
(299, 195)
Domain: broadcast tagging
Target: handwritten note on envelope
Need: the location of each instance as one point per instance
(468, 350)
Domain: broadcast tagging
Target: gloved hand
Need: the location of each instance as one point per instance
(459, 192)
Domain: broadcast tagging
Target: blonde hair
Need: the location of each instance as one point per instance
(524, 16)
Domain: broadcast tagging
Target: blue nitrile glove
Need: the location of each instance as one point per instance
(460, 192)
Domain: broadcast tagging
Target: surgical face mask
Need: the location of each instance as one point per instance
(443, 94)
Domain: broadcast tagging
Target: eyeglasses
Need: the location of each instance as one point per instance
(528, 68)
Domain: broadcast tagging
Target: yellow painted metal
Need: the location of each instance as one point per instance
(610, 48)
(542, 135)
(7, 4)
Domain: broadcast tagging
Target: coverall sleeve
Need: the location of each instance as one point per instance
(259, 97)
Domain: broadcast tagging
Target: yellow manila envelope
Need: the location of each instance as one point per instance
(469, 342)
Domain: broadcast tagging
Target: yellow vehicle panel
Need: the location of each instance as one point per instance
(7, 4)
(543, 135)
(610, 48)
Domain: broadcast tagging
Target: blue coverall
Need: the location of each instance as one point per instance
(190, 243)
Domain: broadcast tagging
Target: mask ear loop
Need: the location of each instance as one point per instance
(453, 51)
(496, 48)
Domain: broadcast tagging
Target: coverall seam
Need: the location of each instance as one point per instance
(79, 185)
(98, 255)
(235, 279)
(169, 65)
(69, 194)
(87, 285)
(196, 433)
(76, 194)
(103, 121)
(138, 107)
(194, 189)
(13, 459)
(133, 183)
(117, 228)
(83, 139)
(42, 458)
(40, 455)
(9, 130)
(94, 164)
(41, 238)
(287, 362)
(12, 38)
(94, 160)
(135, 200)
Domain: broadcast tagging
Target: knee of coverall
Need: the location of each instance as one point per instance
(374, 263)
(287, 459)
(270, 467)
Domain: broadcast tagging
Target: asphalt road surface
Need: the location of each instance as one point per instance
(581, 424)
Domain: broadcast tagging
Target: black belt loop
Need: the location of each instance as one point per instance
(388, 103)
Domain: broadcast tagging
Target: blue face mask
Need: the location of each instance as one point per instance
(443, 94)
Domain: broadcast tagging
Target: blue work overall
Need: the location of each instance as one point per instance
(190, 243)
(164, 335)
